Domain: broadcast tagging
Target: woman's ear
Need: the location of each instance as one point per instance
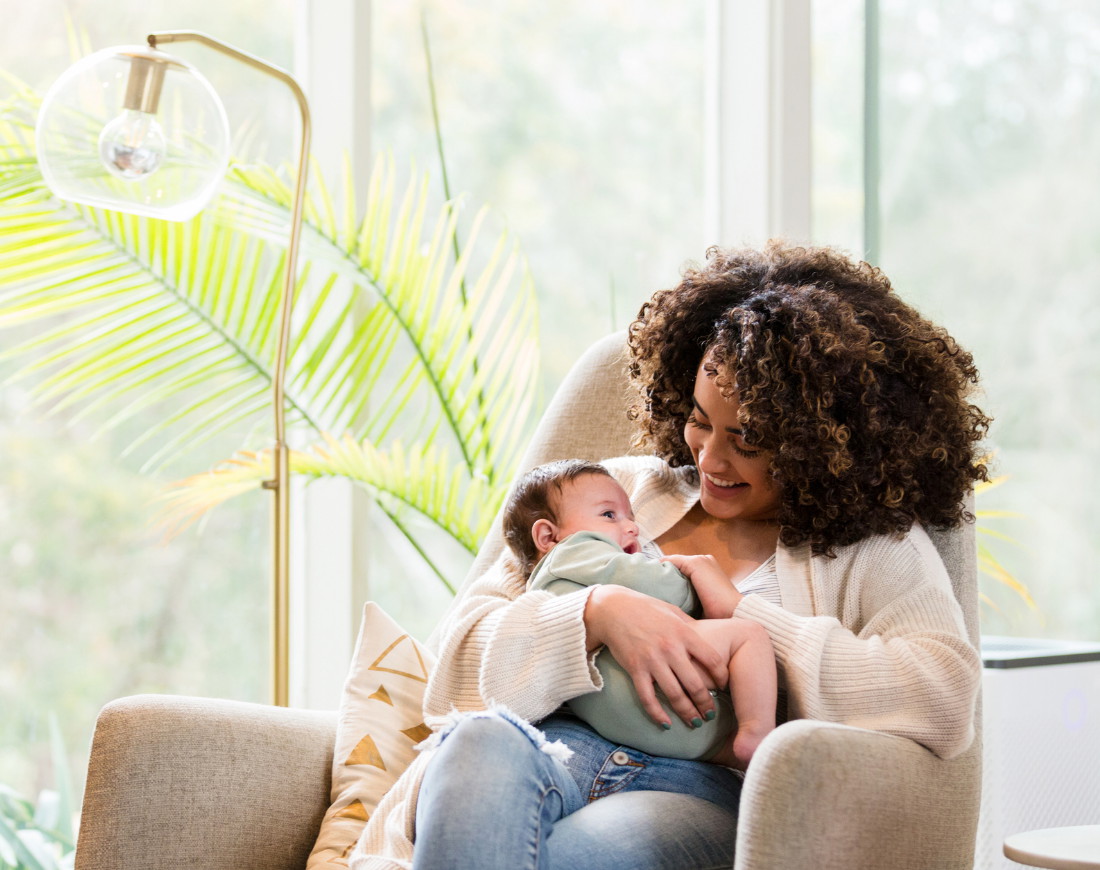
(545, 534)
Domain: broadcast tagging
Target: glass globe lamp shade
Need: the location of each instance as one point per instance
(136, 130)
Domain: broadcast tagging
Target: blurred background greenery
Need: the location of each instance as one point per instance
(582, 123)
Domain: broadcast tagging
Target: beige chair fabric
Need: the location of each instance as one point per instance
(186, 783)
(189, 782)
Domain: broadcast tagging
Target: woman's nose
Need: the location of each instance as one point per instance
(714, 453)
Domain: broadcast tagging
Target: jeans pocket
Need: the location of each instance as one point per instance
(618, 771)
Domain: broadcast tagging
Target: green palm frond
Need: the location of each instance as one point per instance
(471, 328)
(988, 563)
(117, 313)
(400, 336)
(418, 477)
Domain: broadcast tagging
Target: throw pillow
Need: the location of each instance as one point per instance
(380, 722)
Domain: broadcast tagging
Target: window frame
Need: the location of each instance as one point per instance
(757, 151)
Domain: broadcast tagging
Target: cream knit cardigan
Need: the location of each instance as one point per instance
(872, 637)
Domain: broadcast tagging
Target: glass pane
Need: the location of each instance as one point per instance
(988, 129)
(579, 122)
(95, 604)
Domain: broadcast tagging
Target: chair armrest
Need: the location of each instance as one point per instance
(831, 796)
(190, 782)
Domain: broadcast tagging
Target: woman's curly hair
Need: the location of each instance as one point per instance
(862, 403)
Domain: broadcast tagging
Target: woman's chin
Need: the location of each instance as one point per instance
(719, 508)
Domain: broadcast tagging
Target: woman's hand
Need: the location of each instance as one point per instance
(716, 593)
(658, 645)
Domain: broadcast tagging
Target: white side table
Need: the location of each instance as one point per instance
(1076, 848)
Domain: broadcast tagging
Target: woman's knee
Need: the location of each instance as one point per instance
(492, 742)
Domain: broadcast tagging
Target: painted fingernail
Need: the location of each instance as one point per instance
(667, 726)
(710, 715)
(696, 722)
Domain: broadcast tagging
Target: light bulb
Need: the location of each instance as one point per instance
(132, 146)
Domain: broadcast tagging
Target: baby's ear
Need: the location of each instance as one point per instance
(545, 534)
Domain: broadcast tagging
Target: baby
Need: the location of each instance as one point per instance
(570, 525)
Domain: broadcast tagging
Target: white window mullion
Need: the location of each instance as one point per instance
(758, 149)
(332, 63)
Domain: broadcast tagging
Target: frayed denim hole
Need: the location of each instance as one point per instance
(444, 725)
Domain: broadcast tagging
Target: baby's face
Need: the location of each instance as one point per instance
(595, 503)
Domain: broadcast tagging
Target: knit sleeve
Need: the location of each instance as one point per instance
(498, 644)
(901, 664)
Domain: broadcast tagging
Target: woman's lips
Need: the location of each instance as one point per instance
(721, 487)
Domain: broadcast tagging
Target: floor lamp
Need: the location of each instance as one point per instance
(137, 130)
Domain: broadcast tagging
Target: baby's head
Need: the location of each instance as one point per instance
(553, 501)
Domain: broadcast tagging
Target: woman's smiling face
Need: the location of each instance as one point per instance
(734, 482)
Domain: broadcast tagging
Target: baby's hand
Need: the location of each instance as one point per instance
(717, 594)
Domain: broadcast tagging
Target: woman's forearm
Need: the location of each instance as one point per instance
(920, 682)
(525, 651)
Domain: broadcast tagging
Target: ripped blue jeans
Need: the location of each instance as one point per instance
(502, 794)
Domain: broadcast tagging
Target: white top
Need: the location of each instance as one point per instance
(762, 581)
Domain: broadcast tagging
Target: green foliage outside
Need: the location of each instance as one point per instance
(39, 836)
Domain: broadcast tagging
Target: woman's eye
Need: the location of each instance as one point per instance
(741, 448)
(697, 423)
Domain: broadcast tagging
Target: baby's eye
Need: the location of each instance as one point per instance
(608, 514)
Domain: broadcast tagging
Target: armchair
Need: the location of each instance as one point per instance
(185, 782)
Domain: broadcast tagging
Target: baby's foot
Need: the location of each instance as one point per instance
(725, 756)
(745, 742)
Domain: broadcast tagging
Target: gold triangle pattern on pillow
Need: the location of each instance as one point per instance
(381, 695)
(377, 729)
(402, 658)
(366, 752)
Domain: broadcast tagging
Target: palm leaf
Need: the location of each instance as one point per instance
(396, 339)
(404, 275)
(988, 563)
(419, 477)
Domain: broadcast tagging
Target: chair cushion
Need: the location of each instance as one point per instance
(381, 719)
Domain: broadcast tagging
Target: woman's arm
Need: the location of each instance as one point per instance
(531, 651)
(657, 644)
(497, 644)
(895, 658)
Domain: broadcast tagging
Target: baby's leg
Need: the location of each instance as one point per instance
(752, 682)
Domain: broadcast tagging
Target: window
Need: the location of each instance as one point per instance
(985, 135)
(581, 124)
(95, 606)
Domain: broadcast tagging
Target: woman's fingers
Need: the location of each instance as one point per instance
(658, 646)
(687, 682)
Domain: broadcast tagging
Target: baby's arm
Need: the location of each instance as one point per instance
(716, 593)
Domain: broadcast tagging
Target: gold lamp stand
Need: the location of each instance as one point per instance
(279, 484)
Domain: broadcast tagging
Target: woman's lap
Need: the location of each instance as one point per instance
(498, 777)
(602, 768)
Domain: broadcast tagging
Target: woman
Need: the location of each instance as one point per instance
(807, 426)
